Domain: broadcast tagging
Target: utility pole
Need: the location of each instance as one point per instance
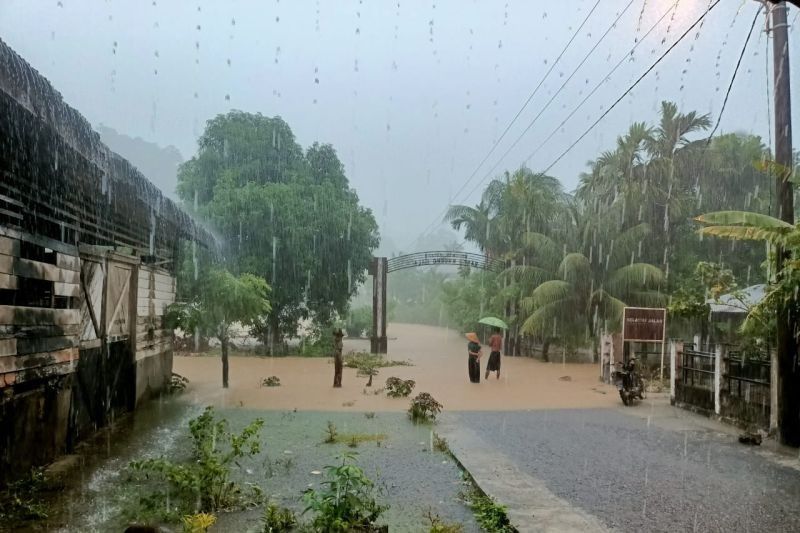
(788, 370)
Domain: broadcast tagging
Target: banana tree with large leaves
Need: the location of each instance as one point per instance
(780, 303)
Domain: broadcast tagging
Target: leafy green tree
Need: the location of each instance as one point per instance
(282, 214)
(224, 300)
(690, 299)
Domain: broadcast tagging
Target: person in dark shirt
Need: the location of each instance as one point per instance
(474, 358)
(495, 346)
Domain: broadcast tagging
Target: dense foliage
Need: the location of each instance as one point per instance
(204, 482)
(284, 214)
(625, 237)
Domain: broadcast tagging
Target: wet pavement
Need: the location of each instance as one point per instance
(626, 470)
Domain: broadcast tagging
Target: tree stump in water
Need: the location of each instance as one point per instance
(338, 363)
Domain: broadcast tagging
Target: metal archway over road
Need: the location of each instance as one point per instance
(381, 266)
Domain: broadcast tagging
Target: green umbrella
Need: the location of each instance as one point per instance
(493, 321)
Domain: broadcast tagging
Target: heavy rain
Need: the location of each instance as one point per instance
(428, 266)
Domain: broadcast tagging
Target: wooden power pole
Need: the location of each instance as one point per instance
(788, 370)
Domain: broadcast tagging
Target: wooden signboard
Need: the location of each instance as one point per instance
(644, 324)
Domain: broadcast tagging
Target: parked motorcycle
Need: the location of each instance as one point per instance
(629, 382)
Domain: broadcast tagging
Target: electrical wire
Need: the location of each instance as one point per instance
(629, 89)
(733, 77)
(514, 119)
(547, 105)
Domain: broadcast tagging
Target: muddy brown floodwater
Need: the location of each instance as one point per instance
(439, 358)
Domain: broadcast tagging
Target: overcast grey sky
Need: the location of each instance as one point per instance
(412, 94)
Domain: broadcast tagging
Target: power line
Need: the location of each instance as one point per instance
(547, 105)
(600, 84)
(629, 89)
(513, 120)
(733, 78)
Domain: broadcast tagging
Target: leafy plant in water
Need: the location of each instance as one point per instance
(440, 444)
(368, 368)
(177, 383)
(272, 381)
(424, 408)
(346, 501)
(21, 499)
(277, 519)
(202, 484)
(359, 359)
(437, 525)
(198, 523)
(399, 388)
(330, 433)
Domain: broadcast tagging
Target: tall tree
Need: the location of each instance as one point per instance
(287, 216)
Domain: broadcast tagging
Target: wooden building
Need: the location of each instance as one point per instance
(88, 252)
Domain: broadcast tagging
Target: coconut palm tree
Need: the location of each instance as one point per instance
(585, 294)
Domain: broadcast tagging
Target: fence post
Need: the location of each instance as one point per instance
(718, 379)
(673, 369)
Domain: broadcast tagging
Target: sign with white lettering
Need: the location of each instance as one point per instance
(644, 324)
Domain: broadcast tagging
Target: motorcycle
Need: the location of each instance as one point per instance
(629, 383)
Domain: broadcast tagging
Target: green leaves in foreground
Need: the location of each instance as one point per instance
(171, 489)
(346, 501)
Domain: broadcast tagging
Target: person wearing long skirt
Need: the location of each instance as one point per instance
(495, 346)
(474, 358)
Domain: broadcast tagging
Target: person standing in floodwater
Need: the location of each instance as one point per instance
(495, 346)
(474, 358)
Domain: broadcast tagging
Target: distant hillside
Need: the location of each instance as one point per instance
(159, 165)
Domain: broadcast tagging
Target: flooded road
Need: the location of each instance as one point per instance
(439, 359)
(530, 437)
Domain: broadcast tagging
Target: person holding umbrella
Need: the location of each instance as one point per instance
(495, 346)
(495, 343)
(474, 357)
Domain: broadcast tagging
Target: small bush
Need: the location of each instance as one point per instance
(368, 369)
(21, 500)
(440, 444)
(177, 383)
(359, 321)
(272, 381)
(330, 433)
(170, 490)
(437, 525)
(346, 501)
(424, 408)
(198, 523)
(278, 519)
(399, 388)
(489, 514)
(361, 359)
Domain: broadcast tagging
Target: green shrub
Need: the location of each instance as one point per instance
(424, 408)
(272, 381)
(359, 321)
(399, 388)
(360, 359)
(346, 501)
(203, 483)
(21, 499)
(437, 525)
(177, 383)
(278, 519)
(489, 514)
